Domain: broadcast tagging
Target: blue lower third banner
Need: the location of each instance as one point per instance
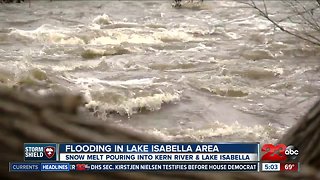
(113, 167)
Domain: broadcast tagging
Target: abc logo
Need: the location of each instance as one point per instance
(279, 152)
(291, 152)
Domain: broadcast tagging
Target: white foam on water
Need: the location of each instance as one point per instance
(233, 35)
(71, 65)
(48, 34)
(109, 100)
(129, 106)
(91, 52)
(136, 36)
(102, 20)
(132, 83)
(116, 38)
(116, 34)
(105, 22)
(126, 32)
(174, 35)
(218, 130)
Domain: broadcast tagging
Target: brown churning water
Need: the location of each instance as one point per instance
(215, 72)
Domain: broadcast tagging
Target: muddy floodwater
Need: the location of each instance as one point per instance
(211, 72)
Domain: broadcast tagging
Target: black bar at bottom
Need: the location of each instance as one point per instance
(129, 167)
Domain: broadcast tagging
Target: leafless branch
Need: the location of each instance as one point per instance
(306, 15)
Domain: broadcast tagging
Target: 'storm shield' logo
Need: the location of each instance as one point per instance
(49, 151)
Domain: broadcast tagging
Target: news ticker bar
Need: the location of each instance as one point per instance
(114, 167)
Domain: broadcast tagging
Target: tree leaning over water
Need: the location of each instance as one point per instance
(303, 13)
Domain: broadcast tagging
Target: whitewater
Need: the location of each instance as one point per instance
(211, 72)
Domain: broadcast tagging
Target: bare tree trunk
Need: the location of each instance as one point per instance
(306, 137)
(30, 118)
